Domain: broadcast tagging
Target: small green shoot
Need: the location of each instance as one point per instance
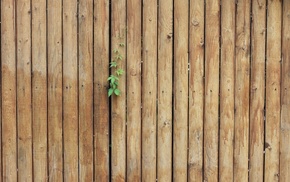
(114, 78)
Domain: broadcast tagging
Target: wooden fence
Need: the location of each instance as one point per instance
(205, 95)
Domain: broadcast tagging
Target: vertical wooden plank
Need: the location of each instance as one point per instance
(101, 101)
(85, 48)
(8, 69)
(180, 90)
(70, 90)
(118, 110)
(242, 78)
(257, 90)
(165, 70)
(273, 90)
(196, 90)
(0, 96)
(54, 41)
(134, 90)
(149, 90)
(227, 98)
(211, 119)
(39, 90)
(285, 97)
(24, 119)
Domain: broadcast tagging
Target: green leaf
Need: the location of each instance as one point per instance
(113, 80)
(115, 51)
(119, 57)
(113, 64)
(117, 91)
(122, 45)
(110, 92)
(119, 71)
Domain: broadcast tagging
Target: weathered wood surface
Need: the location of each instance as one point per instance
(100, 98)
(242, 83)
(180, 103)
(211, 100)
(54, 90)
(227, 90)
(149, 90)
(257, 90)
(165, 70)
(134, 50)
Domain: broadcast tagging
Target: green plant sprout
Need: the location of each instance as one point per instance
(114, 78)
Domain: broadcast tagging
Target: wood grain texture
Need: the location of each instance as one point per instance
(165, 70)
(54, 71)
(85, 48)
(180, 90)
(0, 100)
(196, 90)
(149, 90)
(101, 100)
(242, 83)
(227, 92)
(273, 71)
(211, 102)
(70, 90)
(24, 115)
(8, 70)
(39, 90)
(118, 104)
(134, 90)
(285, 96)
(257, 90)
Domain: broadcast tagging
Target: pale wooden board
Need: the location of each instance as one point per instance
(149, 90)
(211, 101)
(8, 73)
(118, 104)
(165, 70)
(101, 100)
(242, 83)
(85, 87)
(285, 96)
(54, 71)
(24, 115)
(39, 90)
(227, 91)
(70, 90)
(196, 90)
(134, 90)
(180, 122)
(273, 92)
(257, 90)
